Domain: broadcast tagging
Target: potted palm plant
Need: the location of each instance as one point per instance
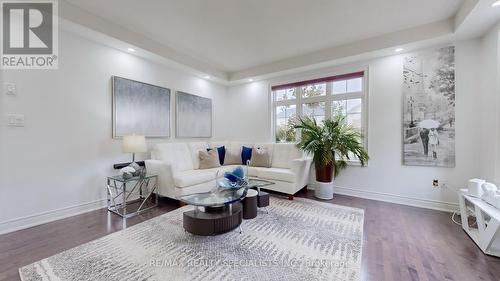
(331, 143)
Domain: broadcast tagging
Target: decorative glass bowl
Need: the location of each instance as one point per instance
(232, 180)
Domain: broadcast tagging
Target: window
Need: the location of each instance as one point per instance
(314, 90)
(284, 116)
(319, 98)
(314, 109)
(351, 109)
(286, 94)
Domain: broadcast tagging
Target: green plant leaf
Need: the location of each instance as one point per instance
(333, 137)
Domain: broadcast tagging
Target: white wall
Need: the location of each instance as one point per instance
(385, 177)
(59, 160)
(490, 59)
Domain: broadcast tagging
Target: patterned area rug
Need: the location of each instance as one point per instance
(298, 240)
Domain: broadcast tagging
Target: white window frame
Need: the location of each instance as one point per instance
(299, 101)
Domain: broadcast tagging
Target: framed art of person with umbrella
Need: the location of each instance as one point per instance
(429, 108)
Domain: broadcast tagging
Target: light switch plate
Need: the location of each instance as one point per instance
(15, 120)
(10, 89)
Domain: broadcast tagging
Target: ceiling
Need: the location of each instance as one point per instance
(242, 37)
(235, 35)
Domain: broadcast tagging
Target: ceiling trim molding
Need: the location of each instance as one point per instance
(464, 11)
(420, 33)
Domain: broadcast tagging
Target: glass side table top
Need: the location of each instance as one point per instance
(219, 197)
(121, 179)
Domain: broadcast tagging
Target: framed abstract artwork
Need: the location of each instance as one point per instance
(140, 108)
(193, 116)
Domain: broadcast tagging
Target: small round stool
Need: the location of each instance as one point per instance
(250, 205)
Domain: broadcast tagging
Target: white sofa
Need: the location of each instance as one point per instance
(177, 165)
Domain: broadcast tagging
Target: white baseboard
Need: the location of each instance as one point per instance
(398, 199)
(45, 217)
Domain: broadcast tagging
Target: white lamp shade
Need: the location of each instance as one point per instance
(134, 144)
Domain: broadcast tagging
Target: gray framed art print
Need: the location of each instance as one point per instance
(193, 116)
(140, 108)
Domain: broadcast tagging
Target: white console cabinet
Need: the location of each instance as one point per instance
(486, 231)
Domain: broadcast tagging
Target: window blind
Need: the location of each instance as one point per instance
(319, 80)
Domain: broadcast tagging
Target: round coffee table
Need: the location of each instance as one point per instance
(214, 212)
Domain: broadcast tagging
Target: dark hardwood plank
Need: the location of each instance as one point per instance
(400, 242)
(29, 245)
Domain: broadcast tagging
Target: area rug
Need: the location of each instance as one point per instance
(297, 240)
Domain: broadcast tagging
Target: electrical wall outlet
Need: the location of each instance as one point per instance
(440, 184)
(435, 183)
(444, 184)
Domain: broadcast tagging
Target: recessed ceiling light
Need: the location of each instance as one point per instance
(250, 80)
(398, 50)
(131, 50)
(496, 4)
(206, 76)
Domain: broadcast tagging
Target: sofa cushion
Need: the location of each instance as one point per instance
(278, 174)
(214, 144)
(232, 158)
(162, 151)
(193, 177)
(236, 145)
(195, 148)
(268, 146)
(283, 154)
(223, 169)
(226, 168)
(254, 171)
(260, 157)
(209, 159)
(221, 150)
(176, 154)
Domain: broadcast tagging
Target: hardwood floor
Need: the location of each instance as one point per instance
(400, 242)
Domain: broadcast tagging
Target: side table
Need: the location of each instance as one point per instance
(487, 232)
(130, 197)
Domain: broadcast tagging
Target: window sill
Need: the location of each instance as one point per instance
(356, 163)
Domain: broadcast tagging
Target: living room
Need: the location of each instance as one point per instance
(214, 117)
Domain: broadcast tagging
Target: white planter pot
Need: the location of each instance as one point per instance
(323, 190)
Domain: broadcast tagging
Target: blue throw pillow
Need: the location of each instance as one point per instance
(246, 154)
(221, 150)
(222, 153)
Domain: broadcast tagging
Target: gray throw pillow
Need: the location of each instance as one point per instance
(260, 158)
(232, 157)
(209, 159)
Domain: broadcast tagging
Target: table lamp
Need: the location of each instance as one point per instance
(134, 144)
